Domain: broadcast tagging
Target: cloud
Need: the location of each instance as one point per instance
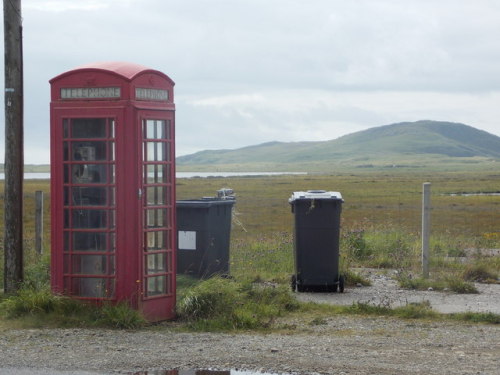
(315, 115)
(260, 70)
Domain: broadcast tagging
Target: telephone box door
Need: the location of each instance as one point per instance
(88, 189)
(156, 158)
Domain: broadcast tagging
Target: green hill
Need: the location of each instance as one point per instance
(413, 144)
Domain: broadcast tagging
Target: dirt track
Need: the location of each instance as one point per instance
(339, 345)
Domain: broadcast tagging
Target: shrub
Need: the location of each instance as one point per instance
(224, 304)
(214, 297)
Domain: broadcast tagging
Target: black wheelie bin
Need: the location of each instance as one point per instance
(316, 241)
(203, 236)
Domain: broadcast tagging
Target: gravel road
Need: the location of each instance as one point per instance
(335, 345)
(339, 345)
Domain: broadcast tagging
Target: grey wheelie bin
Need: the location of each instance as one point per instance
(203, 234)
(316, 241)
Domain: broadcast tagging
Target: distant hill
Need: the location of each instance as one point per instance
(410, 142)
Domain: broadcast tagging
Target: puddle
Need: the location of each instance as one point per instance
(465, 194)
(24, 371)
(199, 372)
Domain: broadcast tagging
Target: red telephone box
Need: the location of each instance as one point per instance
(113, 186)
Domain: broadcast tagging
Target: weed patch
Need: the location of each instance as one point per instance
(448, 283)
(480, 272)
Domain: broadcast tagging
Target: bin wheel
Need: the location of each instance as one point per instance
(341, 283)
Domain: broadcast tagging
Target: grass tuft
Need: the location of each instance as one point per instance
(41, 308)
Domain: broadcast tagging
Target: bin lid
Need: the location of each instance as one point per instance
(315, 194)
(203, 203)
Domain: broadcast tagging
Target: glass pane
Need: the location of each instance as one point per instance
(66, 218)
(89, 264)
(155, 195)
(160, 151)
(65, 151)
(151, 195)
(155, 240)
(156, 285)
(160, 174)
(88, 174)
(160, 129)
(92, 287)
(167, 131)
(88, 151)
(112, 242)
(65, 128)
(166, 152)
(66, 246)
(89, 218)
(112, 128)
(89, 241)
(112, 151)
(151, 218)
(66, 196)
(66, 264)
(156, 217)
(150, 151)
(89, 196)
(112, 200)
(111, 174)
(150, 129)
(160, 195)
(155, 263)
(149, 176)
(66, 174)
(88, 128)
(111, 265)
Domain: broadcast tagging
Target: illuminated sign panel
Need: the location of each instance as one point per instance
(151, 94)
(90, 92)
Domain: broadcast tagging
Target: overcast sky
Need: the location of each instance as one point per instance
(253, 71)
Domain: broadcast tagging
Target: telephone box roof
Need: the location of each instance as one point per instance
(124, 69)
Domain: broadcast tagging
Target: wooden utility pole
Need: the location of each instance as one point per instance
(14, 160)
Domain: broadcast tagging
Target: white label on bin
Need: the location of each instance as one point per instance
(187, 240)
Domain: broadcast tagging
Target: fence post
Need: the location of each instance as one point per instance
(426, 227)
(39, 221)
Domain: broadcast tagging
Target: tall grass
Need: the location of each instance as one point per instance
(267, 257)
(380, 228)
